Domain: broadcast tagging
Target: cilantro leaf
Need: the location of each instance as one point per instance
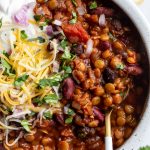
(67, 69)
(145, 148)
(74, 18)
(37, 17)
(70, 112)
(23, 34)
(0, 22)
(93, 5)
(38, 101)
(66, 54)
(120, 66)
(48, 115)
(52, 81)
(69, 120)
(25, 125)
(20, 80)
(112, 36)
(64, 43)
(41, 39)
(51, 99)
(8, 68)
(74, 2)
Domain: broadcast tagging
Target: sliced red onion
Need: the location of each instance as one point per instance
(81, 10)
(20, 17)
(102, 20)
(49, 30)
(56, 66)
(57, 22)
(89, 47)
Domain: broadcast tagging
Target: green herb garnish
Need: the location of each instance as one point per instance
(1, 22)
(20, 80)
(48, 115)
(66, 55)
(48, 99)
(112, 37)
(25, 125)
(24, 35)
(70, 112)
(64, 43)
(74, 18)
(8, 68)
(74, 2)
(69, 120)
(41, 39)
(120, 66)
(93, 5)
(51, 99)
(67, 69)
(52, 81)
(37, 17)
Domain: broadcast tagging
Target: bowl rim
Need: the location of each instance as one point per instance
(143, 27)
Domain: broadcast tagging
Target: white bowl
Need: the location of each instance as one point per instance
(140, 136)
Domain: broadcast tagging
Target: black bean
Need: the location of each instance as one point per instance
(109, 75)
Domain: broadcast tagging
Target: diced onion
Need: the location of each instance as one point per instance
(102, 20)
(89, 47)
(49, 30)
(57, 22)
(81, 10)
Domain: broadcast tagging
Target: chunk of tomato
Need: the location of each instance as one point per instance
(75, 33)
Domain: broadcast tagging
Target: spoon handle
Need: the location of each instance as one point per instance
(108, 143)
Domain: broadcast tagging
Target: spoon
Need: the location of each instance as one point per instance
(108, 137)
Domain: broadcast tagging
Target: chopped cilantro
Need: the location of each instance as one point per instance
(41, 39)
(69, 120)
(145, 148)
(64, 43)
(67, 69)
(70, 112)
(48, 99)
(74, 2)
(37, 17)
(93, 5)
(112, 37)
(120, 66)
(25, 125)
(51, 99)
(8, 68)
(48, 115)
(74, 18)
(38, 101)
(52, 81)
(66, 55)
(20, 80)
(23, 34)
(0, 22)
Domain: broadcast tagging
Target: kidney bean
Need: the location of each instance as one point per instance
(104, 45)
(134, 70)
(60, 118)
(104, 10)
(98, 114)
(68, 88)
